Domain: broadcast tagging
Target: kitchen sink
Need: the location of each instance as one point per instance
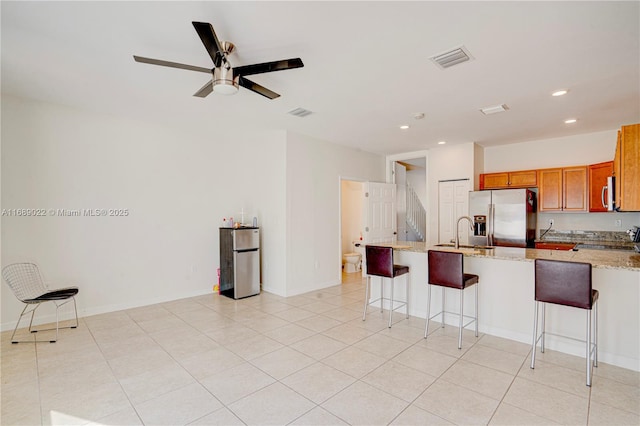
(465, 246)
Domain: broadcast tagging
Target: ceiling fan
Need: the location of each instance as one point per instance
(226, 79)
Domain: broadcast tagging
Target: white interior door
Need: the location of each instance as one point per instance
(453, 202)
(380, 212)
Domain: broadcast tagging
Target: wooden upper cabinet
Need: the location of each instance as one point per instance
(519, 179)
(550, 190)
(598, 174)
(574, 189)
(627, 168)
(523, 179)
(494, 180)
(563, 189)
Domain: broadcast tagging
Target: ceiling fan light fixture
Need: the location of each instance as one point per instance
(223, 81)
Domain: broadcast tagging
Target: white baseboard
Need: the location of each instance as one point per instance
(67, 313)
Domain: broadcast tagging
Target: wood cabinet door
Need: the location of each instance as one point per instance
(523, 179)
(629, 177)
(598, 174)
(550, 190)
(616, 170)
(495, 180)
(574, 188)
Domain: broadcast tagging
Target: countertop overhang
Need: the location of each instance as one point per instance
(605, 259)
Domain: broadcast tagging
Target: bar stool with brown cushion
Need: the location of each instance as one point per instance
(379, 260)
(568, 284)
(446, 270)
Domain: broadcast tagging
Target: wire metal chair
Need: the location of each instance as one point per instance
(27, 285)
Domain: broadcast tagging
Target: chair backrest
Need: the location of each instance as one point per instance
(445, 268)
(563, 283)
(379, 261)
(24, 280)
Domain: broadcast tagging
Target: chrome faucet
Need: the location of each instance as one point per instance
(457, 243)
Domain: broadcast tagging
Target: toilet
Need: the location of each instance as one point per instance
(352, 261)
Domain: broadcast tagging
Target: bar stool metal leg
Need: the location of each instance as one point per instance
(406, 285)
(391, 307)
(382, 294)
(366, 297)
(544, 309)
(535, 336)
(476, 309)
(595, 334)
(588, 357)
(461, 319)
(426, 327)
(443, 292)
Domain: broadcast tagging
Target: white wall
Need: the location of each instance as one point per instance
(577, 150)
(351, 205)
(176, 186)
(314, 170)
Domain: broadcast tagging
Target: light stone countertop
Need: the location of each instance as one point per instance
(605, 259)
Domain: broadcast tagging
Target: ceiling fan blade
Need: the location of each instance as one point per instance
(204, 90)
(285, 64)
(170, 64)
(210, 41)
(255, 87)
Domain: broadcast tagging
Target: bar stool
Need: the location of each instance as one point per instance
(567, 284)
(445, 270)
(380, 264)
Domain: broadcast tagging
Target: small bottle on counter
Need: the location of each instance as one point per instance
(230, 222)
(255, 222)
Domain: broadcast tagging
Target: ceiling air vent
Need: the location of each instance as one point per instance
(452, 57)
(494, 109)
(300, 112)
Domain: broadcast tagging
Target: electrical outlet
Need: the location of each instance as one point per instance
(618, 223)
(550, 222)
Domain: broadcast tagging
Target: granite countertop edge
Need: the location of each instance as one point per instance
(601, 259)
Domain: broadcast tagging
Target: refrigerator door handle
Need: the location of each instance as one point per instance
(490, 225)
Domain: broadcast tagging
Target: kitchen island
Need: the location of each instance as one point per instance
(506, 297)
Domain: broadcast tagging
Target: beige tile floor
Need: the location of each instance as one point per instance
(304, 360)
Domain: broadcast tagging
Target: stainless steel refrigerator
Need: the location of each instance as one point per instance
(503, 217)
(239, 262)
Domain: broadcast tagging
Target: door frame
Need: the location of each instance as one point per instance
(405, 156)
(340, 180)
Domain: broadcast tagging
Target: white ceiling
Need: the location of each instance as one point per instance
(367, 68)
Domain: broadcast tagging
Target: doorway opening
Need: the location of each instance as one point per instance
(410, 176)
(352, 223)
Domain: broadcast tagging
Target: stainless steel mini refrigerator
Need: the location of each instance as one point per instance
(239, 262)
(503, 217)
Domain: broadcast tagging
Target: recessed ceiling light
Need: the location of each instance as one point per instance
(418, 115)
(494, 109)
(570, 121)
(559, 92)
(442, 142)
(404, 127)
